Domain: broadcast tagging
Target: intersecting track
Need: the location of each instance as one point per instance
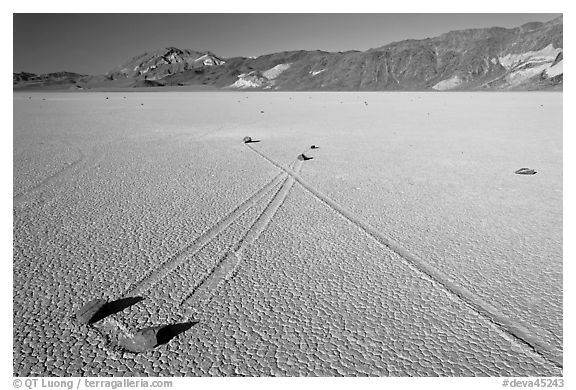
(113, 330)
(226, 268)
(172, 263)
(201, 294)
(154, 276)
(521, 331)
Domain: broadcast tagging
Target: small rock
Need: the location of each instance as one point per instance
(314, 147)
(247, 139)
(303, 157)
(525, 171)
(86, 312)
(261, 112)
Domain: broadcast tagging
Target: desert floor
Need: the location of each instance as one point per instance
(406, 246)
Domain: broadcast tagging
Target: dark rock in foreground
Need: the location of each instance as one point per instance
(143, 340)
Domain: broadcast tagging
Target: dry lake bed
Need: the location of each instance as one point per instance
(403, 245)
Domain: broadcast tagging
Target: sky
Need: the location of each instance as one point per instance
(96, 43)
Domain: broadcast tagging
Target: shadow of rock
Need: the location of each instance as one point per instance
(153, 336)
(88, 310)
(168, 332)
(114, 307)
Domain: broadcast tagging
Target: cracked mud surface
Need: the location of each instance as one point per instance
(165, 202)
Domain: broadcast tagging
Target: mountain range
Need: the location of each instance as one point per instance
(528, 57)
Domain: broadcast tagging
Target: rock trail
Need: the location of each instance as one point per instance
(74, 168)
(201, 294)
(525, 333)
(112, 330)
(172, 263)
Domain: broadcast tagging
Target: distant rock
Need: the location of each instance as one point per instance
(525, 171)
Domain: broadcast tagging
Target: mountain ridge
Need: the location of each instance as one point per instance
(527, 57)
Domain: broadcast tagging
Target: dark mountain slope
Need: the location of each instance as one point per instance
(527, 57)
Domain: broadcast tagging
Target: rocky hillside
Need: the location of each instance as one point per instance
(528, 57)
(164, 62)
(58, 80)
